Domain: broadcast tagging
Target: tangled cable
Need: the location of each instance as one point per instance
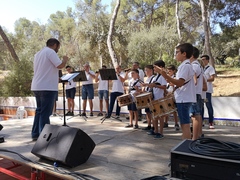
(215, 148)
(79, 176)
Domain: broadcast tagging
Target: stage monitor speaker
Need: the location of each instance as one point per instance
(70, 146)
(186, 164)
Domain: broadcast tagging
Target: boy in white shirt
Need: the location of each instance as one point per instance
(185, 91)
(70, 93)
(210, 75)
(102, 92)
(159, 86)
(196, 108)
(134, 89)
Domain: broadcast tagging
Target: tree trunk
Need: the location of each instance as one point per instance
(178, 22)
(9, 45)
(205, 19)
(100, 54)
(112, 53)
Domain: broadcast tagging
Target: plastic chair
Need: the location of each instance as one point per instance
(21, 112)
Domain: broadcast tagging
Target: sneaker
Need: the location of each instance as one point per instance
(128, 126)
(158, 136)
(68, 113)
(147, 128)
(211, 126)
(151, 132)
(91, 114)
(117, 117)
(83, 114)
(100, 114)
(165, 125)
(177, 128)
(135, 126)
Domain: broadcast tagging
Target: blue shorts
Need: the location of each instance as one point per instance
(132, 107)
(183, 112)
(196, 108)
(103, 93)
(70, 93)
(87, 91)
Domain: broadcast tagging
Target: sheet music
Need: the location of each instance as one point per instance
(69, 77)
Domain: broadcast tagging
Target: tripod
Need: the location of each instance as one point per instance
(107, 74)
(66, 78)
(80, 77)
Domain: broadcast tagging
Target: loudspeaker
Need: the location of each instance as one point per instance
(67, 145)
(186, 164)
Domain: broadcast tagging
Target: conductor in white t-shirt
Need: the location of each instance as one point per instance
(45, 83)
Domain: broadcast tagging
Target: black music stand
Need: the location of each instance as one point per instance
(80, 77)
(107, 74)
(66, 78)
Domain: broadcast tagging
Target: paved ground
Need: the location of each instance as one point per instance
(120, 153)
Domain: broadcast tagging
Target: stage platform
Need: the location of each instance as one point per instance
(120, 153)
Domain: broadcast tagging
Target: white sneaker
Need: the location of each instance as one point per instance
(211, 126)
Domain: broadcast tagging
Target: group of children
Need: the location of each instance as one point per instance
(187, 86)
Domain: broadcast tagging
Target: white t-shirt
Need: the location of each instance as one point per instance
(187, 92)
(45, 66)
(209, 71)
(157, 92)
(136, 84)
(199, 74)
(117, 84)
(71, 84)
(170, 88)
(89, 78)
(102, 84)
(151, 78)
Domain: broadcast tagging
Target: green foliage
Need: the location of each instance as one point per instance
(18, 81)
(145, 31)
(149, 46)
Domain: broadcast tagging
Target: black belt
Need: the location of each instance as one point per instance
(87, 84)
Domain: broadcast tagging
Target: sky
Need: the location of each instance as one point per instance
(33, 10)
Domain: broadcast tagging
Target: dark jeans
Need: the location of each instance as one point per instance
(45, 102)
(113, 97)
(209, 107)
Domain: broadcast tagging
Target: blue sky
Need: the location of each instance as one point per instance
(33, 10)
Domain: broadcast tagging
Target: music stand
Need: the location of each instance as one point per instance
(107, 74)
(66, 78)
(80, 77)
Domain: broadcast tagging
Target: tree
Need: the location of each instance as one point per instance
(205, 9)
(9, 45)
(112, 53)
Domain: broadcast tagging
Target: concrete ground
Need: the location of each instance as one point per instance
(120, 153)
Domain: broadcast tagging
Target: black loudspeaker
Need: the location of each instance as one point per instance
(186, 164)
(70, 146)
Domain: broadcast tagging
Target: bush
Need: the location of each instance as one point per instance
(18, 81)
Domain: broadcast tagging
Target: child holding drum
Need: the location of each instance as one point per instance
(150, 76)
(171, 70)
(185, 91)
(134, 89)
(159, 86)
